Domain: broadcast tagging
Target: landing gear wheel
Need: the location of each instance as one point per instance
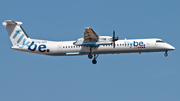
(166, 54)
(90, 56)
(94, 61)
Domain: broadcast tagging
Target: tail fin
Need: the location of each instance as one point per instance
(16, 33)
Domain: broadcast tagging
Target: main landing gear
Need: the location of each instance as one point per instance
(166, 54)
(90, 56)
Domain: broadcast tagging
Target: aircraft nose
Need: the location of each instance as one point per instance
(171, 47)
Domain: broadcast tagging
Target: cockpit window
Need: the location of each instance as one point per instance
(160, 41)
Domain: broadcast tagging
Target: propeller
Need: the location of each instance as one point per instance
(114, 39)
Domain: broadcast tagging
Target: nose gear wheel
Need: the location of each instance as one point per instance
(166, 54)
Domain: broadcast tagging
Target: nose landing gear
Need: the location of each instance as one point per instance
(166, 54)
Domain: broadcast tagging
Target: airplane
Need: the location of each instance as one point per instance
(91, 44)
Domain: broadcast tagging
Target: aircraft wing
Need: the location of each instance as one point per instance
(89, 34)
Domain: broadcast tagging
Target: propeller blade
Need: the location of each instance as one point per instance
(113, 33)
(113, 44)
(114, 39)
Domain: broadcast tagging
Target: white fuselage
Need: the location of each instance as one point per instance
(67, 48)
(91, 44)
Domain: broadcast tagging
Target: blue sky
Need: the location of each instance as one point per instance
(126, 77)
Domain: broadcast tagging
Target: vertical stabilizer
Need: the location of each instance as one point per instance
(16, 33)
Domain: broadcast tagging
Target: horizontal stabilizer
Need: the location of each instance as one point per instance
(10, 22)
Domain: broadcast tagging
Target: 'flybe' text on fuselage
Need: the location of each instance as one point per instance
(135, 44)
